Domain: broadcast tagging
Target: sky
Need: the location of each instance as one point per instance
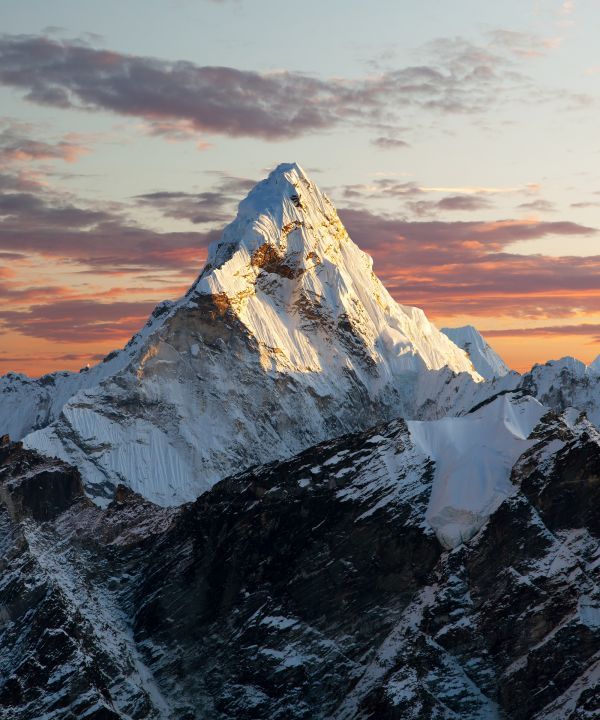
(459, 142)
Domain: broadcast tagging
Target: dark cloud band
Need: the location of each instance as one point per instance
(459, 79)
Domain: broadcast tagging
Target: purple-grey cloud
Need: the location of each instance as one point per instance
(592, 329)
(40, 221)
(18, 145)
(224, 100)
(212, 206)
(452, 268)
(452, 203)
(538, 205)
(77, 320)
(389, 143)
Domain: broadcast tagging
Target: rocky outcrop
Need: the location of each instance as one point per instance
(34, 486)
(314, 588)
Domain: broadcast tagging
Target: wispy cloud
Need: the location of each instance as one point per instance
(585, 329)
(82, 321)
(451, 203)
(389, 143)
(538, 205)
(212, 206)
(36, 220)
(524, 45)
(18, 144)
(177, 98)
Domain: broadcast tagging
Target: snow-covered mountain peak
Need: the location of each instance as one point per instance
(291, 274)
(285, 226)
(287, 338)
(268, 207)
(568, 364)
(486, 361)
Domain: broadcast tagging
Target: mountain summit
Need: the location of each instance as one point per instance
(293, 277)
(286, 339)
(358, 450)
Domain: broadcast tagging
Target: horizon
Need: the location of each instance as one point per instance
(125, 153)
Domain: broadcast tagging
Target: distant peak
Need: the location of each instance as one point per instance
(485, 360)
(594, 366)
(469, 329)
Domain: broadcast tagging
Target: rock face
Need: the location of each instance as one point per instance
(66, 649)
(286, 339)
(314, 588)
(34, 486)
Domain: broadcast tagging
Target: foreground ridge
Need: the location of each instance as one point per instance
(217, 609)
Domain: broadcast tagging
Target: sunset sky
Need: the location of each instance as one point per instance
(459, 141)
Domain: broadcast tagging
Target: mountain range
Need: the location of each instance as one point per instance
(290, 496)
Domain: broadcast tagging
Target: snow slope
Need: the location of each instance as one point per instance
(286, 339)
(485, 360)
(474, 456)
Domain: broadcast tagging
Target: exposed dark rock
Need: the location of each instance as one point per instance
(310, 588)
(35, 486)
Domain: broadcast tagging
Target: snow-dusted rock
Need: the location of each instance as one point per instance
(565, 383)
(312, 587)
(28, 404)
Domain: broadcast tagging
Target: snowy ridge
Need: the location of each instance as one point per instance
(27, 404)
(594, 367)
(286, 339)
(485, 360)
(565, 383)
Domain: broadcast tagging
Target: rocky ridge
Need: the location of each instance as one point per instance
(313, 588)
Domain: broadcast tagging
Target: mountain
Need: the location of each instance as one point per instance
(565, 383)
(286, 339)
(485, 360)
(291, 497)
(316, 587)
